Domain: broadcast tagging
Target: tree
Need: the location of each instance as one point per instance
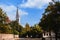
(36, 31)
(3, 16)
(27, 27)
(26, 31)
(51, 18)
(4, 28)
(16, 27)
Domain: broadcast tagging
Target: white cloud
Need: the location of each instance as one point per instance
(35, 3)
(11, 11)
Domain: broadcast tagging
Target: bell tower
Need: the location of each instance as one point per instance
(17, 15)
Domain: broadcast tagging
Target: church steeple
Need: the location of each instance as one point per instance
(17, 15)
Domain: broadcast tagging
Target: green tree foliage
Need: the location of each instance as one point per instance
(16, 27)
(4, 28)
(27, 27)
(51, 18)
(36, 31)
(2, 16)
(33, 32)
(25, 31)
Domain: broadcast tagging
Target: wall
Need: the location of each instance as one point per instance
(6, 36)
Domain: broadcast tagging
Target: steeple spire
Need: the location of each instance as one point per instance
(17, 15)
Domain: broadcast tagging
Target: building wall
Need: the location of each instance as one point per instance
(46, 34)
(6, 36)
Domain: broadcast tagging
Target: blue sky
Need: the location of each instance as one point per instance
(30, 11)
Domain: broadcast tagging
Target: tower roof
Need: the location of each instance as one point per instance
(17, 15)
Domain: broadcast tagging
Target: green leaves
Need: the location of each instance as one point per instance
(16, 27)
(4, 28)
(51, 17)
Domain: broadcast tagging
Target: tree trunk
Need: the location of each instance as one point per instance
(50, 35)
(55, 36)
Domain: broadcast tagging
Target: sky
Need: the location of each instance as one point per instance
(30, 11)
